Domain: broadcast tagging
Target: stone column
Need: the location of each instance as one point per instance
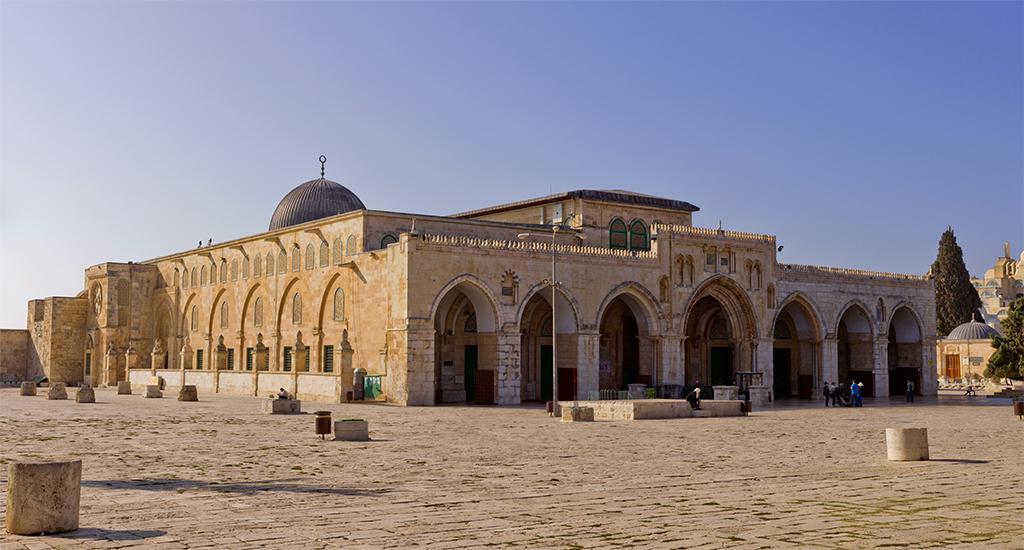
(185, 361)
(110, 367)
(880, 372)
(343, 363)
(156, 358)
(416, 358)
(508, 375)
(274, 356)
(588, 363)
(764, 357)
(830, 359)
(929, 370)
(315, 354)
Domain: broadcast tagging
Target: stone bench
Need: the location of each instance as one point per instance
(577, 414)
(282, 406)
(28, 388)
(85, 394)
(153, 392)
(124, 388)
(188, 393)
(43, 498)
(352, 430)
(57, 391)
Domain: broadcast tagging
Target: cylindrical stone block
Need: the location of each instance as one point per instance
(188, 393)
(124, 388)
(85, 395)
(43, 497)
(906, 443)
(28, 388)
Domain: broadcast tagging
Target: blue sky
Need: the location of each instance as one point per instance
(855, 132)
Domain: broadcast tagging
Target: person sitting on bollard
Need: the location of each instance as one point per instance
(283, 394)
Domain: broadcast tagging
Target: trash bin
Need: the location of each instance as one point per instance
(323, 423)
(1018, 409)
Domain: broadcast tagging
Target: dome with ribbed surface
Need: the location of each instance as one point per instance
(972, 331)
(313, 200)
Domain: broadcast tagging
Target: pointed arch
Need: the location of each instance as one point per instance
(858, 305)
(325, 254)
(214, 310)
(569, 316)
(799, 299)
(734, 300)
(310, 257)
(479, 294)
(618, 234)
(642, 301)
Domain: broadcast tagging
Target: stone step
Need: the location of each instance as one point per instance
(703, 414)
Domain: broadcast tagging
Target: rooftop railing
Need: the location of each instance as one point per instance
(661, 228)
(535, 246)
(852, 272)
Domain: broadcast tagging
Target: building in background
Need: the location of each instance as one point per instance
(437, 309)
(964, 353)
(1000, 285)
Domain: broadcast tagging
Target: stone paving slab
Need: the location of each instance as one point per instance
(219, 474)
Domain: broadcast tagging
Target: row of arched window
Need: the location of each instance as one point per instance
(337, 311)
(271, 263)
(634, 236)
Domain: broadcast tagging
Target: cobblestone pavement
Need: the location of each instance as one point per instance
(158, 473)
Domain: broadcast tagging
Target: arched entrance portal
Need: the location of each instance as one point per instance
(796, 353)
(855, 352)
(720, 330)
(537, 353)
(904, 352)
(465, 346)
(627, 353)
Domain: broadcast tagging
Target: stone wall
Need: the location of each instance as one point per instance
(56, 347)
(14, 346)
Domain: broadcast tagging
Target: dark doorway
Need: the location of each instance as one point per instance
(782, 384)
(545, 373)
(864, 377)
(721, 366)
(898, 381)
(469, 373)
(566, 384)
(630, 350)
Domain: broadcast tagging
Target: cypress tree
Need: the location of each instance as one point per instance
(956, 299)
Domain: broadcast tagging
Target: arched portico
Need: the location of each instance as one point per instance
(465, 318)
(720, 330)
(630, 337)
(796, 350)
(855, 353)
(904, 351)
(536, 349)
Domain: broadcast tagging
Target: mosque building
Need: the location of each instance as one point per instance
(459, 308)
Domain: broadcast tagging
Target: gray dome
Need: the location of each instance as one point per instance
(972, 331)
(313, 200)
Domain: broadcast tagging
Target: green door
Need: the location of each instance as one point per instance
(721, 366)
(469, 373)
(545, 373)
(782, 383)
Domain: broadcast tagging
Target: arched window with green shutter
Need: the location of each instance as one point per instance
(638, 239)
(388, 239)
(617, 235)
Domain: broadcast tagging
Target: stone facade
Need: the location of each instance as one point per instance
(14, 355)
(459, 308)
(999, 286)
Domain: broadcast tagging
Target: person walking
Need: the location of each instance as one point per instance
(910, 391)
(834, 394)
(855, 394)
(827, 394)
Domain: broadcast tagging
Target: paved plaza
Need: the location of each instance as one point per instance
(158, 473)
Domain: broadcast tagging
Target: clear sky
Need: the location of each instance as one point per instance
(855, 132)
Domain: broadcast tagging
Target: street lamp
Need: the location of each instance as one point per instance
(553, 282)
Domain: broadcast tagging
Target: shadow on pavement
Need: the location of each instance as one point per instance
(959, 460)
(242, 487)
(92, 533)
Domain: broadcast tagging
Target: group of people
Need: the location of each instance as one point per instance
(836, 396)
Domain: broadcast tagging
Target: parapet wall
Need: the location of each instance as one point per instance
(13, 355)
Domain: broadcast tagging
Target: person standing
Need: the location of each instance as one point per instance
(827, 394)
(834, 394)
(855, 394)
(910, 391)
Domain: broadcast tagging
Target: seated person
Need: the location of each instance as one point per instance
(283, 394)
(694, 398)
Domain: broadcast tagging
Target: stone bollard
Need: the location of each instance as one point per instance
(43, 498)
(188, 393)
(124, 388)
(57, 391)
(85, 395)
(577, 414)
(352, 429)
(153, 392)
(28, 388)
(282, 406)
(906, 443)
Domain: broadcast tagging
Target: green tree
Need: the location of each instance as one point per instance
(1008, 359)
(956, 299)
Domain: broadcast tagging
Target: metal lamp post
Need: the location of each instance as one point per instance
(553, 282)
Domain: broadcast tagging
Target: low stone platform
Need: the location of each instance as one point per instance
(644, 409)
(282, 406)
